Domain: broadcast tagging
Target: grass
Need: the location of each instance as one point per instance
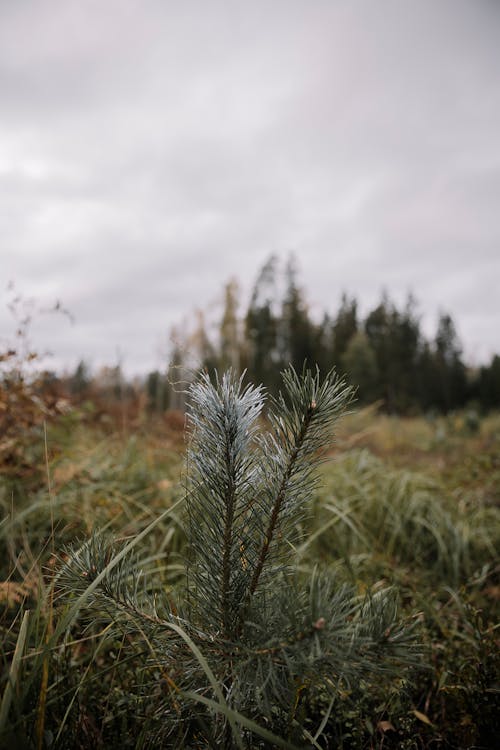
(413, 503)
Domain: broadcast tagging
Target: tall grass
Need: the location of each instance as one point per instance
(424, 519)
(370, 515)
(93, 480)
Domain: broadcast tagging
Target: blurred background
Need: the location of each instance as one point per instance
(253, 184)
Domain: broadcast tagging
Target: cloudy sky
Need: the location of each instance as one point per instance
(152, 149)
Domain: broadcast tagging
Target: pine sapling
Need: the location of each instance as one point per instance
(249, 643)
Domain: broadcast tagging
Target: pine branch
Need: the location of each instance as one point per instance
(228, 543)
(223, 460)
(302, 422)
(278, 503)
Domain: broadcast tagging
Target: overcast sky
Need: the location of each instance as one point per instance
(151, 150)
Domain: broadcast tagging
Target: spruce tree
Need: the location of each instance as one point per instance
(450, 370)
(296, 332)
(261, 328)
(344, 327)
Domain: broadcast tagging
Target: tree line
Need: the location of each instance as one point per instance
(385, 353)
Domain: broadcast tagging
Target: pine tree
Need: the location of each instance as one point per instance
(488, 384)
(394, 337)
(296, 330)
(450, 370)
(248, 643)
(360, 365)
(261, 328)
(377, 329)
(344, 327)
(230, 345)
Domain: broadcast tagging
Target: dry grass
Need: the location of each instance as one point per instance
(412, 502)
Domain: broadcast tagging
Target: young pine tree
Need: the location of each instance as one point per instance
(249, 645)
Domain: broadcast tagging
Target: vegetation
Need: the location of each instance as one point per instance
(394, 545)
(384, 354)
(255, 603)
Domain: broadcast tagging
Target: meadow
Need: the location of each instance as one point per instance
(408, 503)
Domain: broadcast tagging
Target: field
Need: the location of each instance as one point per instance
(409, 503)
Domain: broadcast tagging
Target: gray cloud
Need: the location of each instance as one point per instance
(149, 151)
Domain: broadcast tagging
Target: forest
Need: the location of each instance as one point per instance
(384, 353)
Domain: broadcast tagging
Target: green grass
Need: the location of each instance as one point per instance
(410, 503)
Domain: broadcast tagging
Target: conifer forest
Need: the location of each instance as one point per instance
(286, 537)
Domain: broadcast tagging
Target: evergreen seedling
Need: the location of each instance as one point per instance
(249, 644)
